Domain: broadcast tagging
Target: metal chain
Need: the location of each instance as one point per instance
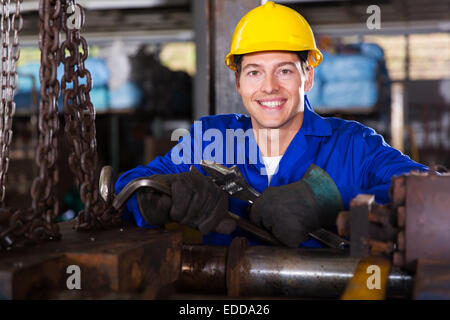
(80, 123)
(10, 55)
(38, 223)
(43, 190)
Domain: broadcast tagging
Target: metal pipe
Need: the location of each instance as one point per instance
(276, 272)
(305, 273)
(312, 273)
(203, 269)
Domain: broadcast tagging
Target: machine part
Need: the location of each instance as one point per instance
(398, 258)
(126, 260)
(232, 181)
(414, 226)
(432, 280)
(203, 269)
(330, 239)
(359, 225)
(398, 194)
(234, 266)
(398, 191)
(133, 186)
(370, 227)
(312, 273)
(427, 206)
(8, 74)
(106, 184)
(358, 289)
(401, 242)
(380, 217)
(343, 223)
(401, 217)
(262, 271)
(381, 247)
(80, 130)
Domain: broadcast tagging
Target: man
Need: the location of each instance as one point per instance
(273, 54)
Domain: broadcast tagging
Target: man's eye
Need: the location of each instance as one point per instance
(253, 73)
(286, 71)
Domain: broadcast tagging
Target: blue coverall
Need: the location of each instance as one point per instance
(355, 156)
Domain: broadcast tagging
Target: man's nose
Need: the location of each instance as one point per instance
(270, 84)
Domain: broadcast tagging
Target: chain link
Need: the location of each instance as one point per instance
(38, 223)
(43, 190)
(80, 124)
(10, 55)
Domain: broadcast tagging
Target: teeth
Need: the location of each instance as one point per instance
(271, 104)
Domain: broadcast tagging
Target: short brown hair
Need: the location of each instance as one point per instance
(302, 56)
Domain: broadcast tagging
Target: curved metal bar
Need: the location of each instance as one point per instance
(134, 185)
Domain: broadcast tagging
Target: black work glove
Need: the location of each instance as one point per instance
(294, 210)
(153, 204)
(196, 201)
(288, 211)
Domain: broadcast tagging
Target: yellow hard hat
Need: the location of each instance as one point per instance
(273, 27)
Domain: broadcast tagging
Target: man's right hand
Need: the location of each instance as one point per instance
(154, 205)
(196, 202)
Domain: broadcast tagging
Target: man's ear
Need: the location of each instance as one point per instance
(236, 80)
(309, 79)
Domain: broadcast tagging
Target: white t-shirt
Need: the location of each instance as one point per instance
(271, 164)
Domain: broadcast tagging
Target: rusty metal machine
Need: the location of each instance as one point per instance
(412, 232)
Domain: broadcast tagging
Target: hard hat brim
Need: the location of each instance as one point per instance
(315, 56)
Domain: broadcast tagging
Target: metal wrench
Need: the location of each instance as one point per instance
(232, 181)
(107, 193)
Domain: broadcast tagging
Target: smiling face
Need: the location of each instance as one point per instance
(272, 86)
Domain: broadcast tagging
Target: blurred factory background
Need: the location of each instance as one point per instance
(157, 65)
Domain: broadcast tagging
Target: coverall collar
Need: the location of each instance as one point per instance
(299, 150)
(313, 124)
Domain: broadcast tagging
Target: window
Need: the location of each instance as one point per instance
(179, 56)
(429, 55)
(395, 52)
